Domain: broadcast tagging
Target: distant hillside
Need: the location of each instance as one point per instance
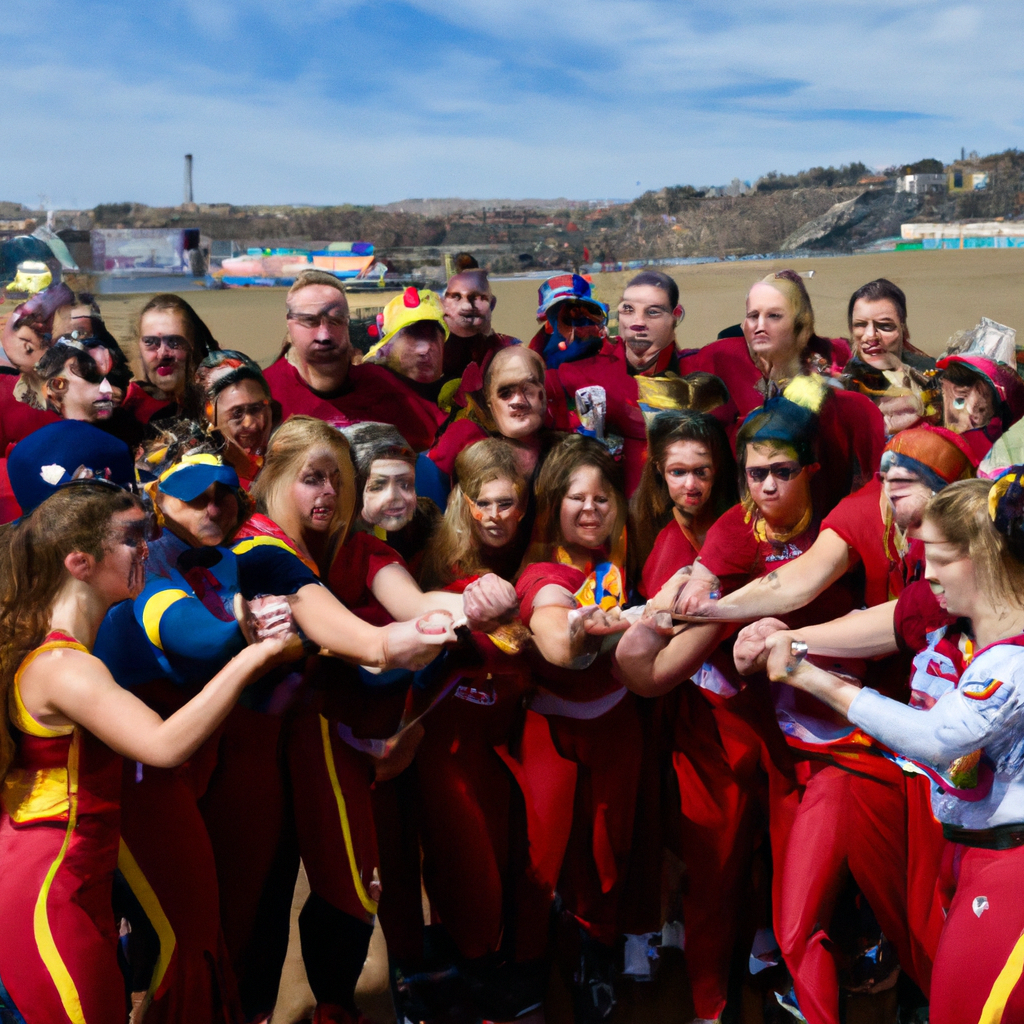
(444, 207)
(827, 208)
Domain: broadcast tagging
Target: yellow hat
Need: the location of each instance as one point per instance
(408, 308)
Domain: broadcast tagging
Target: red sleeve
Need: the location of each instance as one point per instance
(356, 565)
(917, 614)
(558, 407)
(979, 442)
(671, 552)
(9, 507)
(539, 575)
(866, 427)
(459, 436)
(730, 549)
(18, 420)
(856, 519)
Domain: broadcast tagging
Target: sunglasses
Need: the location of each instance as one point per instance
(779, 470)
(579, 314)
(175, 342)
(238, 413)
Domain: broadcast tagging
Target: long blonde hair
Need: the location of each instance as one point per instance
(961, 512)
(290, 446)
(452, 552)
(32, 573)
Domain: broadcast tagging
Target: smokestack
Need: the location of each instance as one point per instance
(188, 178)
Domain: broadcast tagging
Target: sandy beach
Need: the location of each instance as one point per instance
(946, 290)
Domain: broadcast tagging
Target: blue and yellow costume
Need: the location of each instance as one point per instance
(165, 645)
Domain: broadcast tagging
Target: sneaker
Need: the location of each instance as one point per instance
(787, 1000)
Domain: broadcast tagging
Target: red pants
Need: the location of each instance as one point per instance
(333, 814)
(607, 752)
(713, 832)
(548, 781)
(247, 815)
(738, 774)
(71, 977)
(168, 863)
(846, 823)
(979, 964)
(474, 826)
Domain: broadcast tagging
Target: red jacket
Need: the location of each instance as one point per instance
(609, 368)
(371, 393)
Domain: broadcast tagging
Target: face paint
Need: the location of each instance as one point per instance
(576, 331)
(389, 496)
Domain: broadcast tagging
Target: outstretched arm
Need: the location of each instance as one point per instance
(549, 624)
(867, 633)
(960, 722)
(72, 686)
(482, 603)
(782, 590)
(651, 663)
(327, 622)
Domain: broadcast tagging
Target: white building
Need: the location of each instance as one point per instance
(920, 183)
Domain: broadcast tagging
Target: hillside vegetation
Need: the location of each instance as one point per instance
(678, 220)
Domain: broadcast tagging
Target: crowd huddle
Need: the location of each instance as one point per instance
(552, 655)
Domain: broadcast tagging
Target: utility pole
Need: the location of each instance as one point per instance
(188, 179)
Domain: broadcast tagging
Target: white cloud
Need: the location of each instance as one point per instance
(531, 98)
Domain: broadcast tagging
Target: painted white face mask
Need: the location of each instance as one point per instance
(389, 496)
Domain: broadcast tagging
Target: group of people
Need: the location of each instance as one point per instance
(550, 655)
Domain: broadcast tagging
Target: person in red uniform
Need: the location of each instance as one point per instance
(687, 483)
(237, 402)
(468, 307)
(59, 824)
(306, 493)
(86, 379)
(778, 345)
(173, 341)
(314, 374)
(867, 533)
(26, 336)
(981, 397)
(967, 737)
(574, 569)
(509, 401)
(885, 366)
(477, 820)
(649, 313)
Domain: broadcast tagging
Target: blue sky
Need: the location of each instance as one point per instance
(332, 101)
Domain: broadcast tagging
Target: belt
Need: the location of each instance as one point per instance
(1001, 837)
(545, 703)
